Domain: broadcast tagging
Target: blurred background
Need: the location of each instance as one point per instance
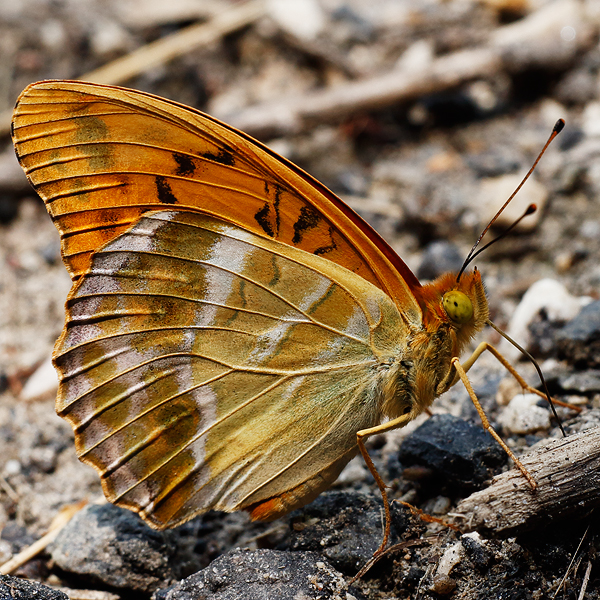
(423, 115)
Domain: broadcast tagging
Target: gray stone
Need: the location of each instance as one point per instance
(586, 382)
(115, 547)
(439, 257)
(15, 588)
(262, 575)
(345, 528)
(579, 340)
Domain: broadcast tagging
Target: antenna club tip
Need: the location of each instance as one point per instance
(531, 209)
(559, 126)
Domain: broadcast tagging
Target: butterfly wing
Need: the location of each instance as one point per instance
(101, 156)
(203, 366)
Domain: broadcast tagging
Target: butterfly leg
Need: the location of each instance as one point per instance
(462, 374)
(361, 436)
(524, 385)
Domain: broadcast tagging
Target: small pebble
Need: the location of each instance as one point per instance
(439, 257)
(43, 382)
(549, 296)
(12, 467)
(304, 19)
(523, 415)
(578, 341)
(127, 553)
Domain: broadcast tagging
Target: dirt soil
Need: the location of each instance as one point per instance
(426, 166)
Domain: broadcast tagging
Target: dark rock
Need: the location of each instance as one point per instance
(438, 258)
(480, 556)
(462, 455)
(543, 337)
(17, 536)
(9, 207)
(14, 588)
(115, 547)
(260, 575)
(346, 528)
(578, 341)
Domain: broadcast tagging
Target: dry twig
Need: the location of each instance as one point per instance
(534, 41)
(166, 49)
(567, 472)
(75, 594)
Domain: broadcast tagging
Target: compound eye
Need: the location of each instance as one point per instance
(458, 306)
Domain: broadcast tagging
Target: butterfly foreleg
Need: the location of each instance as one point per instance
(462, 375)
(524, 385)
(492, 350)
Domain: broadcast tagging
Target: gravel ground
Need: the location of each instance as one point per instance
(428, 170)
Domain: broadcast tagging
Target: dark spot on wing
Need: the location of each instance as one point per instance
(185, 165)
(309, 218)
(225, 156)
(262, 218)
(164, 191)
(276, 272)
(329, 248)
(276, 207)
(268, 217)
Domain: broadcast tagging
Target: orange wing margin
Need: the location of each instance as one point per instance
(100, 156)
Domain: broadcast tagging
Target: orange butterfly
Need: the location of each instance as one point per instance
(234, 330)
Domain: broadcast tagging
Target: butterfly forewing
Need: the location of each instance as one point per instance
(203, 366)
(101, 156)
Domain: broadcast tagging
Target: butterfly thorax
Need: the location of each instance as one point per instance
(424, 370)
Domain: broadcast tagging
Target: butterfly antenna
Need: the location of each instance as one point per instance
(558, 127)
(537, 368)
(529, 211)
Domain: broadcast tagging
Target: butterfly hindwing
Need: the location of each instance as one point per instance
(203, 366)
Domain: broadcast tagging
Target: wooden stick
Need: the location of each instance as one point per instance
(291, 115)
(567, 472)
(166, 49)
(74, 594)
(532, 41)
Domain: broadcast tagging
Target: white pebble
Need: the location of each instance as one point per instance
(43, 382)
(304, 19)
(523, 415)
(548, 295)
(12, 467)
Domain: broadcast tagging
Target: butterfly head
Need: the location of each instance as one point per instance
(460, 305)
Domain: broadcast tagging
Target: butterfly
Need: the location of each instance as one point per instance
(234, 331)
